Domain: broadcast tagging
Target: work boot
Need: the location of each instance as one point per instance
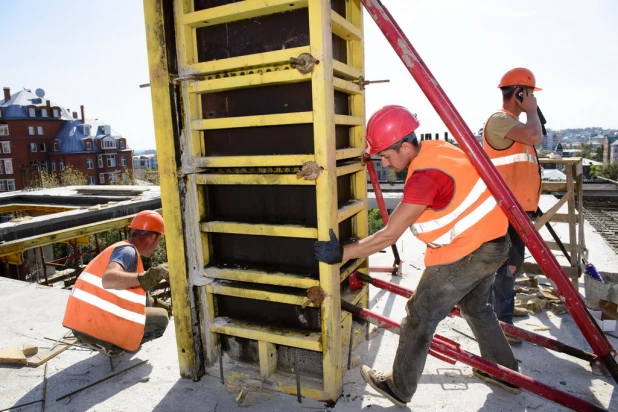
(377, 380)
(91, 343)
(492, 379)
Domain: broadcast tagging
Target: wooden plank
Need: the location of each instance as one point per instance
(268, 359)
(554, 186)
(551, 212)
(533, 268)
(41, 358)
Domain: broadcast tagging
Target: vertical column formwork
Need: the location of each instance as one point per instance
(262, 140)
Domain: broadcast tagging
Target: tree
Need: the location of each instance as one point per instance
(586, 150)
(598, 154)
(126, 177)
(68, 177)
(609, 171)
(375, 221)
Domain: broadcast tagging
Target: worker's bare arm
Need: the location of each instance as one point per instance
(404, 215)
(529, 133)
(116, 277)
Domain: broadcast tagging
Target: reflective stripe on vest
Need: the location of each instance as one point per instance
(109, 307)
(467, 222)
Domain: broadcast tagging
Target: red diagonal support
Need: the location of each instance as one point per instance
(513, 210)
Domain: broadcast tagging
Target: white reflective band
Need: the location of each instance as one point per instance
(520, 157)
(476, 192)
(109, 307)
(467, 222)
(121, 293)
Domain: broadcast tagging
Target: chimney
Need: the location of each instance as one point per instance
(74, 115)
(7, 93)
(83, 114)
(48, 103)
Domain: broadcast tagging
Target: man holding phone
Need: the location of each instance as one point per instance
(510, 143)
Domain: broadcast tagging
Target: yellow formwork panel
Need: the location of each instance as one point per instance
(190, 169)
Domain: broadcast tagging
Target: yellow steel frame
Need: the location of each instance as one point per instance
(182, 182)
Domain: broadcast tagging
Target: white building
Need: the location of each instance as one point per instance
(145, 161)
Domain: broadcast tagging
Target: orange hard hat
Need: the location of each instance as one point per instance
(389, 125)
(519, 77)
(148, 220)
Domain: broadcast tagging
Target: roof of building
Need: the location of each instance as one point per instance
(17, 106)
(73, 133)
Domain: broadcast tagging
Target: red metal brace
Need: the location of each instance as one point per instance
(486, 170)
(509, 329)
(453, 352)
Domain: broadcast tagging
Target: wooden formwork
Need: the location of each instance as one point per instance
(237, 116)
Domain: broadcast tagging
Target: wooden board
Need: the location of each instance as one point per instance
(43, 357)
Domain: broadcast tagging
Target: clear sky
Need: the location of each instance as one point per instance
(94, 53)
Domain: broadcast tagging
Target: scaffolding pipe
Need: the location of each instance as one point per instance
(513, 210)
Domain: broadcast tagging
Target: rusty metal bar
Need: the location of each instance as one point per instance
(513, 210)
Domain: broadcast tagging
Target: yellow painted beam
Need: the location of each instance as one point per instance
(239, 11)
(349, 152)
(248, 62)
(267, 278)
(350, 209)
(42, 209)
(268, 359)
(343, 28)
(248, 179)
(341, 119)
(279, 336)
(253, 121)
(227, 289)
(259, 229)
(248, 80)
(251, 161)
(346, 71)
(346, 86)
(351, 168)
(189, 351)
(356, 264)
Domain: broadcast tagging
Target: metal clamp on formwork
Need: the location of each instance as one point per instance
(509, 329)
(362, 82)
(449, 351)
(397, 268)
(304, 63)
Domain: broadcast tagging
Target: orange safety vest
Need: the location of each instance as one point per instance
(116, 316)
(519, 167)
(471, 218)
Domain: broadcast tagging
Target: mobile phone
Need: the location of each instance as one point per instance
(519, 95)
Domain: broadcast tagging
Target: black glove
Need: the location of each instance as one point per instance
(330, 252)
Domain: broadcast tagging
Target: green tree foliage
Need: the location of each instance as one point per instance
(598, 154)
(609, 171)
(375, 221)
(126, 177)
(586, 150)
(68, 177)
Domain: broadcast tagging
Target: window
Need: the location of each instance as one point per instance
(122, 144)
(88, 145)
(53, 166)
(2, 186)
(44, 113)
(4, 129)
(108, 144)
(111, 160)
(31, 112)
(44, 165)
(55, 146)
(102, 178)
(56, 112)
(61, 165)
(7, 185)
(39, 130)
(42, 147)
(31, 130)
(123, 161)
(6, 147)
(86, 129)
(6, 166)
(113, 177)
(92, 180)
(89, 164)
(33, 147)
(100, 160)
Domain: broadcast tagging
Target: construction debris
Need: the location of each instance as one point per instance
(531, 298)
(17, 354)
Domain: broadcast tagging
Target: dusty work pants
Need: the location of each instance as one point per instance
(466, 283)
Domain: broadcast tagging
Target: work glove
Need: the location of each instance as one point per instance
(330, 252)
(150, 278)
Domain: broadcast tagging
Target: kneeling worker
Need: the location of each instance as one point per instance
(107, 309)
(447, 206)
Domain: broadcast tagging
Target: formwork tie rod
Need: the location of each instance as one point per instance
(450, 351)
(509, 329)
(498, 188)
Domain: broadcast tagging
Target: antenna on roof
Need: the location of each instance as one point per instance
(40, 93)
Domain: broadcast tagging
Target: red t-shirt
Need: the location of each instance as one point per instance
(429, 187)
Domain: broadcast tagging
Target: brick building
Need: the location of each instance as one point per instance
(38, 134)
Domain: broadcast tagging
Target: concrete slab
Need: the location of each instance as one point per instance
(32, 312)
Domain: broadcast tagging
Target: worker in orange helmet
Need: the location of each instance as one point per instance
(509, 143)
(109, 308)
(465, 234)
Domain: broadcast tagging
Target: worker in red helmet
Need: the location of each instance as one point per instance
(448, 207)
(509, 143)
(109, 309)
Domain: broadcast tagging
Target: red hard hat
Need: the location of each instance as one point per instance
(148, 220)
(519, 77)
(389, 125)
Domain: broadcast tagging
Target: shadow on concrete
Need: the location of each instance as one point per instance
(82, 374)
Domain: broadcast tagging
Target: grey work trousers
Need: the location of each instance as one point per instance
(466, 283)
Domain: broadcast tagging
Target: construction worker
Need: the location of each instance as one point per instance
(509, 144)
(107, 309)
(465, 233)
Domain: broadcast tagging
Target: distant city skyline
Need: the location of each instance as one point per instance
(94, 53)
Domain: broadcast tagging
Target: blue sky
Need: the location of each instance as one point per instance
(94, 53)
